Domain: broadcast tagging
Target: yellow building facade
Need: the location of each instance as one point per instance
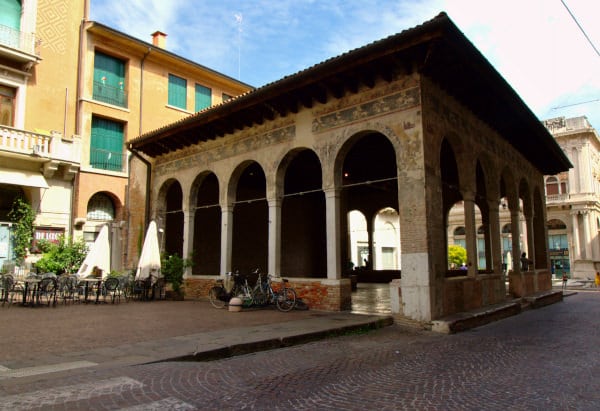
(73, 93)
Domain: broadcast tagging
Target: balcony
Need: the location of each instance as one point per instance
(38, 147)
(108, 160)
(24, 47)
(109, 94)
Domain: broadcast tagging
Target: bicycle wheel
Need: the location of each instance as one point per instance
(286, 299)
(215, 296)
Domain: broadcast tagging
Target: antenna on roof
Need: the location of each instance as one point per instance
(238, 19)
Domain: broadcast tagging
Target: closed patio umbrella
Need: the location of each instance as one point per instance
(149, 262)
(98, 256)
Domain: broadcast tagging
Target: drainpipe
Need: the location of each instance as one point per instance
(142, 90)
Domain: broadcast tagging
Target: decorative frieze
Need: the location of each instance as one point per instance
(213, 152)
(402, 100)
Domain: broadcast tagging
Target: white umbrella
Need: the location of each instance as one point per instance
(149, 262)
(98, 256)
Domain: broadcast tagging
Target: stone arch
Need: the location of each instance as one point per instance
(205, 210)
(366, 175)
(299, 185)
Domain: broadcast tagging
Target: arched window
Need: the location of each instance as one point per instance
(459, 231)
(552, 187)
(100, 208)
(11, 15)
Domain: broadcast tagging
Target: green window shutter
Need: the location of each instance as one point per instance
(109, 79)
(106, 150)
(177, 91)
(203, 97)
(10, 14)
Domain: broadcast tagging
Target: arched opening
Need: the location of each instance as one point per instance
(172, 241)
(303, 226)
(250, 220)
(369, 185)
(100, 208)
(387, 240)
(207, 226)
(359, 240)
(558, 248)
(451, 197)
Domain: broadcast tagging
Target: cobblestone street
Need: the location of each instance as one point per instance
(541, 359)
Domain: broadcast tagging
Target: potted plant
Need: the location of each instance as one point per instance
(173, 267)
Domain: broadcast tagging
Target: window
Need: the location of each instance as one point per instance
(177, 92)
(10, 18)
(551, 186)
(100, 208)
(226, 97)
(106, 151)
(109, 80)
(7, 106)
(203, 97)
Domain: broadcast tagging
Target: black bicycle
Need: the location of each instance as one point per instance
(234, 285)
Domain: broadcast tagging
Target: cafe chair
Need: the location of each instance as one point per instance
(111, 288)
(47, 290)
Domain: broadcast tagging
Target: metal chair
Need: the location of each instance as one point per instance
(111, 287)
(47, 289)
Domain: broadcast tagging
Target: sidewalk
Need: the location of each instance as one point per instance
(45, 339)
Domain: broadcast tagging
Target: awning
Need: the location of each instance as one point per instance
(22, 178)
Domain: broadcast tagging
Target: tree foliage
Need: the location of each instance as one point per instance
(173, 267)
(22, 217)
(65, 256)
(456, 255)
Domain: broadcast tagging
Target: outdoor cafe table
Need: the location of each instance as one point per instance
(88, 281)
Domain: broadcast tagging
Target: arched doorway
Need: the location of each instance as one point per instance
(207, 226)
(303, 233)
(250, 219)
(368, 186)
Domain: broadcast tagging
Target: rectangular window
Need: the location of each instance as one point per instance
(203, 97)
(7, 106)
(109, 80)
(226, 97)
(106, 151)
(177, 92)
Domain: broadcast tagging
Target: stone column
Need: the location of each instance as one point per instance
(576, 248)
(226, 238)
(188, 236)
(587, 238)
(515, 230)
(332, 215)
(471, 232)
(530, 241)
(494, 235)
(274, 263)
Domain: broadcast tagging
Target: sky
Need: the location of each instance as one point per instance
(550, 58)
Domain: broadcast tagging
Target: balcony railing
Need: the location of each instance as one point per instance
(108, 160)
(17, 141)
(15, 39)
(109, 94)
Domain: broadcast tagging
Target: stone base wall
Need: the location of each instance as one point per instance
(196, 288)
(469, 293)
(318, 294)
(529, 283)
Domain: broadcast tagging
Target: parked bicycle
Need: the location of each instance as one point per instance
(263, 293)
(234, 285)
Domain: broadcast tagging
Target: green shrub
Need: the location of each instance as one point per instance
(65, 256)
(173, 267)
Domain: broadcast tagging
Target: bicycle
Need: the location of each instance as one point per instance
(234, 285)
(284, 298)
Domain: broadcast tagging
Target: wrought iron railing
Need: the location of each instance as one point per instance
(108, 160)
(109, 94)
(15, 39)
